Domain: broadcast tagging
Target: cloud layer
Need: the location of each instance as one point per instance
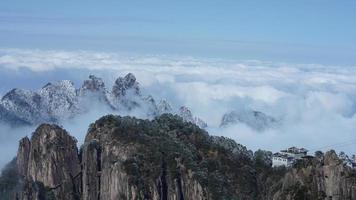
(315, 103)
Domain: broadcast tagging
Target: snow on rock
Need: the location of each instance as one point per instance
(351, 162)
(93, 85)
(93, 92)
(187, 116)
(151, 106)
(60, 101)
(164, 107)
(125, 92)
(256, 120)
(24, 104)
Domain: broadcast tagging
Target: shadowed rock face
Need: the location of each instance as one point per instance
(94, 87)
(122, 84)
(93, 84)
(51, 158)
(165, 158)
(326, 178)
(23, 154)
(122, 161)
(128, 158)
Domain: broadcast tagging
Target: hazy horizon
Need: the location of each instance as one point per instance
(292, 60)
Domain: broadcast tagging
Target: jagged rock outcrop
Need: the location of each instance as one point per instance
(93, 94)
(92, 85)
(123, 84)
(164, 107)
(232, 146)
(23, 156)
(127, 158)
(313, 178)
(126, 91)
(349, 161)
(187, 116)
(256, 120)
(50, 159)
(151, 106)
(164, 158)
(60, 101)
(95, 88)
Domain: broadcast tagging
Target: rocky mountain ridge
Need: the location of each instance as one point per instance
(256, 120)
(163, 158)
(60, 101)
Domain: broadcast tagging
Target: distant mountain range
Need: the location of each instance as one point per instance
(256, 120)
(60, 101)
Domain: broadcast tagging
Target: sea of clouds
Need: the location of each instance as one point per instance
(315, 103)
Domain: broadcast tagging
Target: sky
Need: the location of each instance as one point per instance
(292, 60)
(304, 31)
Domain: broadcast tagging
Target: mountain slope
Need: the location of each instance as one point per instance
(164, 158)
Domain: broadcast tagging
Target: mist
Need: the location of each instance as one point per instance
(314, 103)
(9, 141)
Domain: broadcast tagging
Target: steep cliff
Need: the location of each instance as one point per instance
(165, 158)
(324, 177)
(50, 158)
(161, 159)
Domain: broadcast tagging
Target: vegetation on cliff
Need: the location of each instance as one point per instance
(161, 159)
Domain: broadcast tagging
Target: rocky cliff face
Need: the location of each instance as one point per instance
(164, 158)
(126, 158)
(50, 158)
(318, 178)
(93, 90)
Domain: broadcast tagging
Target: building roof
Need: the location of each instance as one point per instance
(295, 150)
(280, 155)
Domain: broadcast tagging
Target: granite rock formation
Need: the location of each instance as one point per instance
(164, 158)
(61, 101)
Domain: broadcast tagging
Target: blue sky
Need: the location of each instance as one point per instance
(304, 31)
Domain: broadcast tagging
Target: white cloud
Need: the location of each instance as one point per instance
(316, 103)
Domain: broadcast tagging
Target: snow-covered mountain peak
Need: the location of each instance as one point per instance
(122, 84)
(93, 84)
(63, 85)
(59, 101)
(164, 107)
(187, 116)
(256, 120)
(24, 104)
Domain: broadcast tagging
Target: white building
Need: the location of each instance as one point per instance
(279, 159)
(288, 157)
